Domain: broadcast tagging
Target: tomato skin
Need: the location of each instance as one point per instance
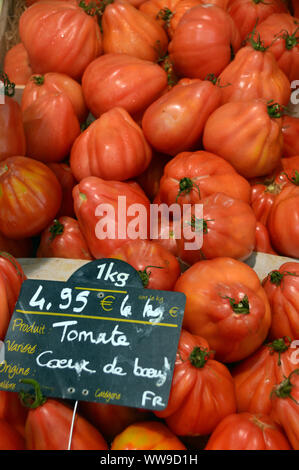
(256, 376)
(285, 236)
(12, 135)
(247, 431)
(16, 64)
(67, 48)
(50, 115)
(147, 435)
(66, 179)
(56, 415)
(254, 74)
(251, 141)
(282, 289)
(12, 411)
(247, 13)
(191, 50)
(89, 195)
(290, 130)
(149, 180)
(113, 147)
(285, 410)
(18, 248)
(174, 123)
(209, 285)
(10, 439)
(4, 310)
(30, 197)
(110, 419)
(200, 396)
(295, 8)
(262, 240)
(118, 80)
(208, 172)
(159, 268)
(126, 30)
(228, 227)
(13, 275)
(262, 199)
(39, 85)
(63, 239)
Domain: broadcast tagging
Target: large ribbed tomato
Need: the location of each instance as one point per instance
(16, 64)
(12, 411)
(4, 309)
(10, 438)
(262, 199)
(247, 13)
(63, 239)
(202, 391)
(251, 139)
(203, 42)
(149, 180)
(30, 197)
(174, 123)
(248, 431)
(290, 131)
(262, 240)
(121, 80)
(256, 376)
(147, 435)
(110, 213)
(190, 176)
(13, 275)
(226, 305)
(282, 288)
(68, 182)
(17, 248)
(113, 147)
(127, 30)
(68, 38)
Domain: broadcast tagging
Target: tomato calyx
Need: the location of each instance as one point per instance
(145, 275)
(185, 187)
(38, 79)
(294, 179)
(199, 356)
(165, 14)
(199, 225)
(276, 277)
(57, 228)
(9, 87)
(240, 307)
(284, 389)
(291, 40)
(211, 77)
(275, 110)
(95, 8)
(279, 345)
(258, 44)
(167, 65)
(32, 401)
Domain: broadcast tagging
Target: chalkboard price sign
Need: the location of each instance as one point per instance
(98, 337)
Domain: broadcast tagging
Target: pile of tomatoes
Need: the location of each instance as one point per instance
(174, 102)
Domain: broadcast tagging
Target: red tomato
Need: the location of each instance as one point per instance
(126, 30)
(282, 288)
(219, 3)
(295, 8)
(118, 80)
(63, 239)
(107, 221)
(227, 306)
(147, 435)
(285, 407)
(252, 138)
(40, 85)
(51, 127)
(203, 42)
(290, 131)
(16, 64)
(202, 391)
(191, 176)
(111, 420)
(157, 267)
(12, 411)
(113, 147)
(256, 376)
(10, 438)
(290, 171)
(12, 136)
(71, 40)
(166, 235)
(262, 199)
(30, 196)
(247, 13)
(254, 73)
(247, 431)
(149, 180)
(4, 310)
(13, 275)
(18, 248)
(227, 226)
(68, 182)
(262, 240)
(283, 220)
(278, 33)
(174, 123)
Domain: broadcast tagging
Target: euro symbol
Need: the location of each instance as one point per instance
(174, 311)
(106, 303)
